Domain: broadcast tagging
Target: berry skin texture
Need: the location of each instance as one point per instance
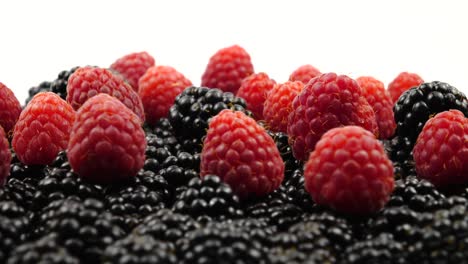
(10, 108)
(159, 87)
(43, 129)
(278, 105)
(107, 143)
(376, 95)
(5, 158)
(132, 66)
(242, 154)
(441, 150)
(349, 171)
(227, 68)
(87, 82)
(326, 102)
(404, 81)
(304, 73)
(254, 89)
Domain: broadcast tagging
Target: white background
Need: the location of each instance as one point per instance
(38, 39)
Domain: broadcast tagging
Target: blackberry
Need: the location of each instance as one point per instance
(140, 249)
(162, 135)
(281, 140)
(42, 251)
(61, 161)
(178, 176)
(18, 191)
(14, 227)
(380, 249)
(416, 105)
(208, 196)
(26, 173)
(293, 187)
(42, 87)
(195, 106)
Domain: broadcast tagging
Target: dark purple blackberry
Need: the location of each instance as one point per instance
(281, 140)
(416, 105)
(61, 161)
(25, 173)
(162, 135)
(380, 249)
(293, 187)
(44, 250)
(18, 191)
(220, 243)
(208, 196)
(14, 227)
(140, 249)
(166, 225)
(82, 226)
(176, 175)
(42, 87)
(194, 107)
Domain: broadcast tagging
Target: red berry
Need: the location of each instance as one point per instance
(349, 171)
(10, 108)
(304, 73)
(326, 102)
(376, 95)
(132, 66)
(87, 82)
(107, 143)
(441, 150)
(5, 157)
(159, 87)
(403, 82)
(242, 154)
(43, 129)
(227, 68)
(278, 105)
(254, 89)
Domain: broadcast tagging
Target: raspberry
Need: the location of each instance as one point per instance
(441, 150)
(227, 68)
(132, 66)
(349, 171)
(304, 73)
(254, 89)
(380, 100)
(87, 82)
(242, 154)
(10, 108)
(159, 87)
(43, 129)
(278, 105)
(107, 143)
(326, 102)
(404, 81)
(5, 157)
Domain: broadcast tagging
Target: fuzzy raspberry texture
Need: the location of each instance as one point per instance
(254, 89)
(5, 158)
(404, 81)
(43, 129)
(132, 66)
(10, 108)
(376, 95)
(107, 143)
(441, 150)
(278, 105)
(349, 171)
(87, 82)
(227, 68)
(242, 154)
(326, 102)
(304, 73)
(159, 87)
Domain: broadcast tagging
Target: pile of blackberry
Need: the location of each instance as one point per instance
(58, 86)
(168, 214)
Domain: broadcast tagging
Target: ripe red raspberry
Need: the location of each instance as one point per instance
(242, 154)
(227, 68)
(349, 171)
(107, 143)
(10, 108)
(5, 157)
(43, 129)
(278, 105)
(304, 73)
(159, 87)
(326, 102)
(87, 82)
(403, 82)
(254, 89)
(376, 95)
(132, 66)
(441, 150)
